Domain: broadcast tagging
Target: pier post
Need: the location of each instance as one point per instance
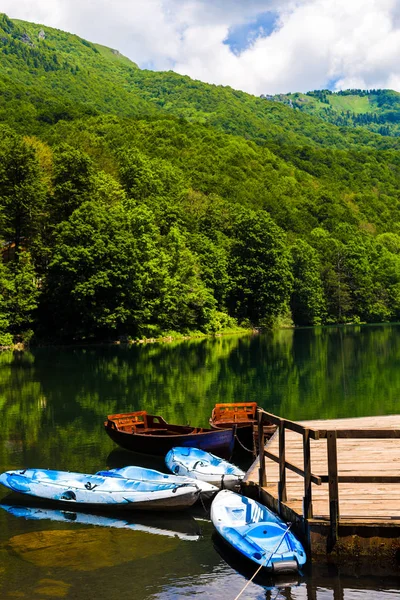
(282, 466)
(333, 488)
(307, 501)
(261, 447)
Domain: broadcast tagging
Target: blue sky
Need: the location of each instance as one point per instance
(240, 37)
(259, 46)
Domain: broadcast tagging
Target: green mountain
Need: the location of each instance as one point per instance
(375, 110)
(48, 75)
(138, 203)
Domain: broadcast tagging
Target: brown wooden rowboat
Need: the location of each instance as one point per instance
(244, 416)
(151, 434)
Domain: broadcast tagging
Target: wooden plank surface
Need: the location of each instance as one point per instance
(360, 502)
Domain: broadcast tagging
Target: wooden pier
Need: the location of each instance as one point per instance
(338, 481)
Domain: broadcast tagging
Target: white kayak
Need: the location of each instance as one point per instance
(256, 532)
(203, 466)
(37, 513)
(79, 488)
(207, 490)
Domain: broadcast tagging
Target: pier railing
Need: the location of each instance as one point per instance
(332, 477)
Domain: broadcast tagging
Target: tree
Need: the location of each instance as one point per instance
(332, 254)
(23, 300)
(186, 304)
(22, 194)
(6, 292)
(260, 269)
(307, 301)
(106, 273)
(156, 183)
(73, 173)
(139, 175)
(214, 264)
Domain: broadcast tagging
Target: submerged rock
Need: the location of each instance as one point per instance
(87, 549)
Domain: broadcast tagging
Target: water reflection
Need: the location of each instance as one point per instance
(52, 406)
(59, 398)
(183, 528)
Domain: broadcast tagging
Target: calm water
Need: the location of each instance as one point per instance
(52, 406)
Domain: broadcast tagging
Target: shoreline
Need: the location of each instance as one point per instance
(125, 341)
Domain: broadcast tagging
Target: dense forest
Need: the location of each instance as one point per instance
(135, 204)
(376, 110)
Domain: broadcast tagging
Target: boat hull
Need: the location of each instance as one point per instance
(255, 532)
(115, 492)
(246, 434)
(242, 416)
(204, 466)
(207, 490)
(220, 442)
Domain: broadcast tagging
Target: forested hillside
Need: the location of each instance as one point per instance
(135, 203)
(374, 110)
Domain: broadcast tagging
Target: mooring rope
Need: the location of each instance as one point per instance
(264, 564)
(241, 444)
(277, 594)
(207, 512)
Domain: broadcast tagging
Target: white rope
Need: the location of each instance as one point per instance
(264, 564)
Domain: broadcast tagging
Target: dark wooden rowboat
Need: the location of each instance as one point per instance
(243, 415)
(151, 434)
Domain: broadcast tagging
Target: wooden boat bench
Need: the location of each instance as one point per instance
(135, 431)
(155, 430)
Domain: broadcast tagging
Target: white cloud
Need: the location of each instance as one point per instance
(355, 43)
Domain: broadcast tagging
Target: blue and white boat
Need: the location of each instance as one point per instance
(79, 488)
(207, 490)
(204, 466)
(256, 532)
(37, 513)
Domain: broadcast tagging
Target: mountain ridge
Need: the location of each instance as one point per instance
(147, 92)
(155, 203)
(375, 110)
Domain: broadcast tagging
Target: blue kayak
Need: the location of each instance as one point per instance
(204, 466)
(256, 532)
(207, 491)
(80, 488)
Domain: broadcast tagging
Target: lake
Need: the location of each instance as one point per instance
(53, 402)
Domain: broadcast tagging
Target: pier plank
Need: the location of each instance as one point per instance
(360, 504)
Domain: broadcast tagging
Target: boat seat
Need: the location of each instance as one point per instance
(155, 430)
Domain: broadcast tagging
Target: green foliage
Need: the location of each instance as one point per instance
(21, 191)
(375, 110)
(214, 264)
(260, 267)
(307, 302)
(151, 203)
(6, 289)
(107, 264)
(23, 301)
(72, 181)
(186, 301)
